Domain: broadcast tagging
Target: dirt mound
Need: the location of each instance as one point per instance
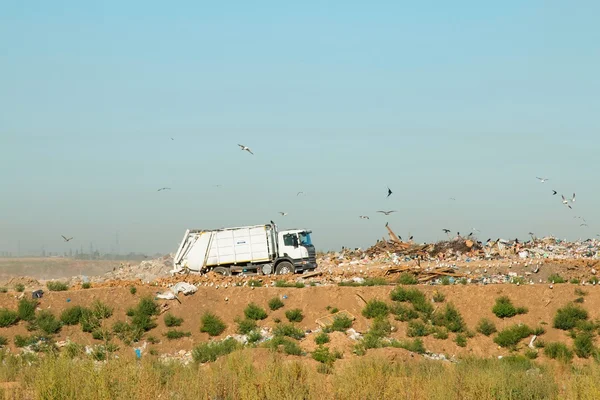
(146, 271)
(26, 281)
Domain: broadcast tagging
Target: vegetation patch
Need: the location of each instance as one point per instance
(176, 334)
(450, 318)
(511, 336)
(26, 309)
(245, 326)
(567, 317)
(558, 351)
(284, 284)
(288, 330)
(505, 309)
(376, 281)
(255, 312)
(47, 322)
(294, 315)
(275, 304)
(556, 278)
(322, 338)
(208, 352)
(212, 324)
(171, 320)
(486, 327)
(407, 279)
(57, 286)
(375, 308)
(8, 317)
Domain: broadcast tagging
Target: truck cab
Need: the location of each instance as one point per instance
(296, 246)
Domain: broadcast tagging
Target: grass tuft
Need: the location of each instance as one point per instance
(212, 324)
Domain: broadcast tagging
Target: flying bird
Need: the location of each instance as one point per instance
(299, 193)
(583, 225)
(389, 192)
(565, 201)
(531, 234)
(573, 199)
(363, 217)
(452, 198)
(476, 230)
(246, 148)
(172, 139)
(161, 189)
(542, 180)
(554, 192)
(283, 213)
(66, 239)
(387, 212)
(446, 230)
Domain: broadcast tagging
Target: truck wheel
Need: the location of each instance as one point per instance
(284, 268)
(222, 271)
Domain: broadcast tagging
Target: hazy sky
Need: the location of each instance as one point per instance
(463, 99)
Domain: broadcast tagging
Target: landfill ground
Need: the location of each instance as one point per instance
(470, 275)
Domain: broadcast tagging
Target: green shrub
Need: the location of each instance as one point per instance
(289, 346)
(341, 323)
(245, 326)
(207, 352)
(575, 281)
(461, 340)
(130, 312)
(89, 322)
(556, 278)
(558, 351)
(288, 330)
(171, 320)
(334, 310)
(285, 284)
(407, 279)
(212, 324)
(407, 295)
(255, 312)
(19, 287)
(254, 337)
(152, 340)
(147, 306)
(416, 345)
(47, 322)
(3, 289)
(579, 300)
(580, 292)
(322, 338)
(380, 327)
(376, 281)
(567, 317)
(86, 285)
(439, 297)
(8, 317)
(26, 309)
(450, 318)
(275, 304)
(102, 334)
(505, 309)
(539, 331)
(403, 313)
(133, 290)
(486, 327)
(417, 329)
(531, 354)
(143, 321)
(176, 334)
(3, 341)
(445, 281)
(294, 315)
(511, 336)
(584, 344)
(324, 356)
(254, 283)
(24, 341)
(56, 286)
(101, 310)
(440, 333)
(71, 315)
(375, 308)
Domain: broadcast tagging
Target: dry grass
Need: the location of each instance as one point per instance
(238, 376)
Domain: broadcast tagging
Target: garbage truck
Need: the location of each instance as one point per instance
(257, 249)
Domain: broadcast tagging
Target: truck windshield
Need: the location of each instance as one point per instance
(305, 239)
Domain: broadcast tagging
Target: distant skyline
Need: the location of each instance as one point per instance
(105, 103)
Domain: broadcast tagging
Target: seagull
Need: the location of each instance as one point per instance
(299, 193)
(554, 192)
(565, 201)
(165, 188)
(583, 225)
(531, 234)
(386, 212)
(283, 213)
(573, 199)
(272, 223)
(476, 230)
(542, 180)
(363, 217)
(446, 230)
(389, 192)
(452, 198)
(66, 239)
(246, 148)
(172, 139)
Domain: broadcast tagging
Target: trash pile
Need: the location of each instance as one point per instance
(146, 271)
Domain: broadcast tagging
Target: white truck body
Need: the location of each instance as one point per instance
(259, 248)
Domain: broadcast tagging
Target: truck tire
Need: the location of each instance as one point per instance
(284, 268)
(222, 271)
